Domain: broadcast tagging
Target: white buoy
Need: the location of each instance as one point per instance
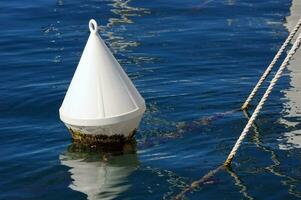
(101, 101)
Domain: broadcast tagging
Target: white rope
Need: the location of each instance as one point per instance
(263, 100)
(272, 64)
(251, 120)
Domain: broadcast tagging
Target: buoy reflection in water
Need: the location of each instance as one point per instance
(98, 174)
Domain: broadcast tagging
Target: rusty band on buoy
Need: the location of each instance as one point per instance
(90, 139)
(102, 143)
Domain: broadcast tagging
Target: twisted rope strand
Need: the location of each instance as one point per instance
(272, 64)
(263, 100)
(251, 120)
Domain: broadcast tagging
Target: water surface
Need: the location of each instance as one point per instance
(193, 61)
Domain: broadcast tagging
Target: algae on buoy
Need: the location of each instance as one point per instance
(101, 101)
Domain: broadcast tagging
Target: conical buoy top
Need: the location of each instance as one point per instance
(100, 92)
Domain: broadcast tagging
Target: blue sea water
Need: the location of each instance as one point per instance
(193, 61)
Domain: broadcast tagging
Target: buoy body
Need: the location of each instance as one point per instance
(101, 101)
